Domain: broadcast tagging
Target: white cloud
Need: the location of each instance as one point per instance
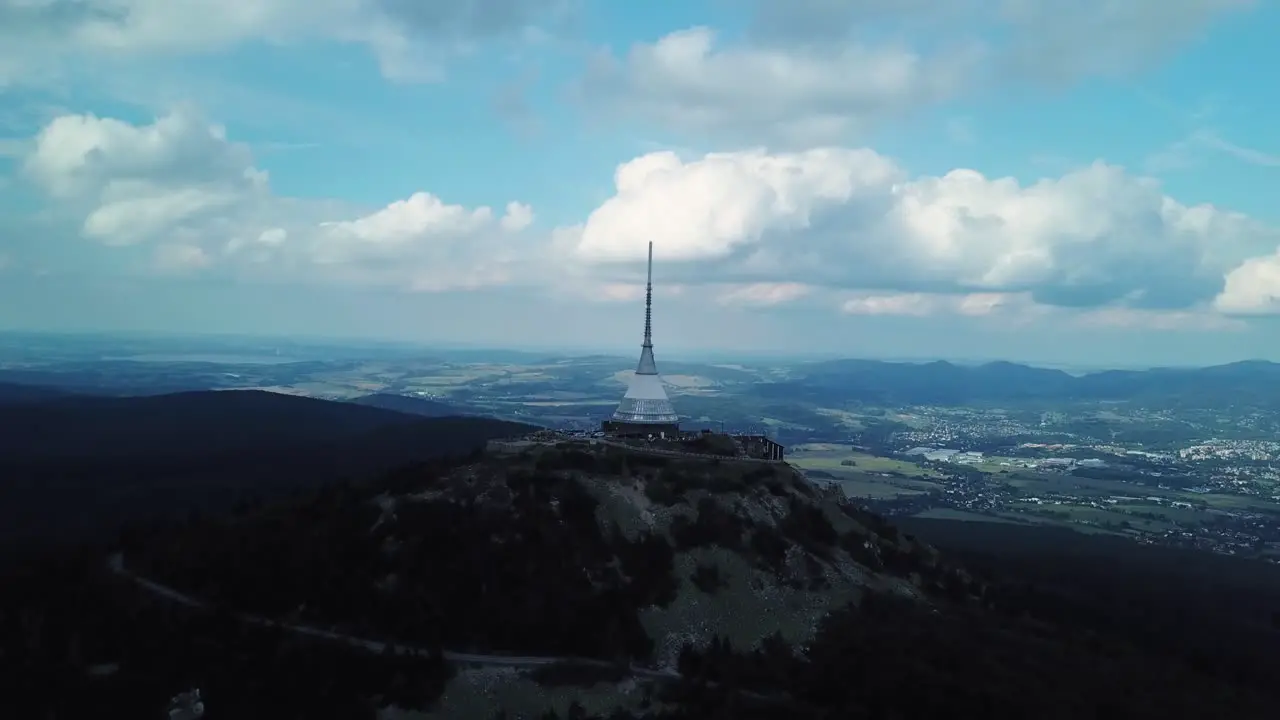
(689, 81)
(848, 228)
(179, 176)
(923, 304)
(1122, 318)
(764, 294)
(1184, 153)
(854, 219)
(1044, 39)
(180, 184)
(818, 71)
(180, 258)
(1016, 310)
(410, 38)
(1062, 41)
(1253, 288)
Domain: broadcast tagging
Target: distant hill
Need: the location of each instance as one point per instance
(71, 467)
(409, 405)
(1242, 383)
(19, 394)
(207, 421)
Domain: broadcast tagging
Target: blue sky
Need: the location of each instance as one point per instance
(1088, 183)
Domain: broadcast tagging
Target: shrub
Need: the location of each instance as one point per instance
(708, 579)
(769, 547)
(714, 526)
(808, 526)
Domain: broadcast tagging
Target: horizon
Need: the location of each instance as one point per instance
(1066, 184)
(626, 355)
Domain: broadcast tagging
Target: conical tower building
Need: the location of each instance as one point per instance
(645, 408)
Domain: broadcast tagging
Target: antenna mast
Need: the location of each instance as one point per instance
(648, 302)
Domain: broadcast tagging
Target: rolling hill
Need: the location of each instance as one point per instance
(1250, 382)
(20, 394)
(72, 467)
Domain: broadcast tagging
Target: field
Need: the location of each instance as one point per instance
(834, 459)
(871, 477)
(962, 515)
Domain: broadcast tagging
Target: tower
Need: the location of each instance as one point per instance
(645, 408)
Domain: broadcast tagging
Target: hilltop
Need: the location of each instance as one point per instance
(765, 595)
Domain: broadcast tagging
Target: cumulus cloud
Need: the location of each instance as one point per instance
(1253, 288)
(181, 185)
(408, 37)
(847, 218)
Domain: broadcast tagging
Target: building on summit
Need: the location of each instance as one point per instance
(645, 409)
(760, 447)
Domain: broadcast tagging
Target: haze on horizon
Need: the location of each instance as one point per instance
(1082, 184)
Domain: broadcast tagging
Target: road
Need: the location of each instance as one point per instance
(116, 563)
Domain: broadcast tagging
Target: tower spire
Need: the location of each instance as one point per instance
(646, 403)
(648, 302)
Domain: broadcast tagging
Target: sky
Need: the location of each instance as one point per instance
(1090, 182)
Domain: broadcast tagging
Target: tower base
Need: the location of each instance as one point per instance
(617, 428)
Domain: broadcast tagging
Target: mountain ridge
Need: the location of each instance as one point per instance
(942, 382)
(76, 466)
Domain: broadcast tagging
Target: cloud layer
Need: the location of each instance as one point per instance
(410, 39)
(817, 71)
(853, 219)
(182, 187)
(846, 226)
(796, 213)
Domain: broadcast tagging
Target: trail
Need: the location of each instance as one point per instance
(117, 566)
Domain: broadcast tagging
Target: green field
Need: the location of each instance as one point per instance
(830, 457)
(965, 515)
(879, 488)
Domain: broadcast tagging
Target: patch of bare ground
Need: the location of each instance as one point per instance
(481, 692)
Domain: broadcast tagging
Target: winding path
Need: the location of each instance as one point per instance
(116, 564)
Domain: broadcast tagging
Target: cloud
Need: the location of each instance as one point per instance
(409, 38)
(853, 219)
(1061, 42)
(763, 294)
(1017, 310)
(689, 81)
(181, 186)
(1163, 320)
(179, 176)
(922, 304)
(819, 71)
(1183, 154)
(845, 228)
(1253, 288)
(1045, 40)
